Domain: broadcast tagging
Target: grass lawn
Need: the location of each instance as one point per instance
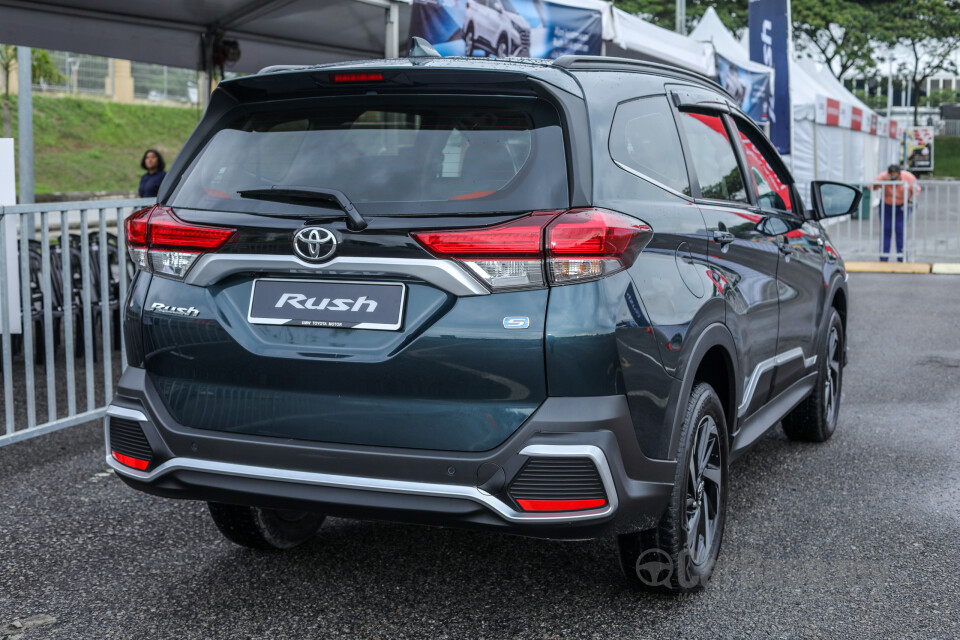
(946, 157)
(93, 145)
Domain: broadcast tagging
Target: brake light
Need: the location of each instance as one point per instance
(369, 76)
(558, 247)
(160, 242)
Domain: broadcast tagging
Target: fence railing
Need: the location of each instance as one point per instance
(64, 274)
(926, 227)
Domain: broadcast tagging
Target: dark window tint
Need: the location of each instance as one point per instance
(714, 158)
(772, 188)
(395, 156)
(644, 138)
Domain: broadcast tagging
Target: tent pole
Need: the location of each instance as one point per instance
(392, 36)
(25, 123)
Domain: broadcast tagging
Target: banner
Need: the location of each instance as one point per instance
(769, 22)
(919, 149)
(750, 89)
(521, 28)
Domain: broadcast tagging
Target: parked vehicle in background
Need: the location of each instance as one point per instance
(495, 27)
(550, 299)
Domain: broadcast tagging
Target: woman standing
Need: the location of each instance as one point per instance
(154, 166)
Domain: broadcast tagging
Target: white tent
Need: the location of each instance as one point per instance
(710, 29)
(633, 37)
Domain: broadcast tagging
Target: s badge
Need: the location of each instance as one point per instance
(516, 322)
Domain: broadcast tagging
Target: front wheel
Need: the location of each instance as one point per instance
(679, 555)
(265, 528)
(815, 419)
(503, 49)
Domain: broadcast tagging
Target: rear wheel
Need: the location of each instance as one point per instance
(815, 419)
(265, 528)
(679, 555)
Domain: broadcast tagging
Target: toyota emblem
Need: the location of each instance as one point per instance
(314, 244)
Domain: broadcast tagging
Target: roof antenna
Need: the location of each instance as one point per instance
(420, 48)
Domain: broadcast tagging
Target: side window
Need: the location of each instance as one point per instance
(713, 157)
(644, 138)
(773, 189)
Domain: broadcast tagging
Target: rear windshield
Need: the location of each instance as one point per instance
(388, 155)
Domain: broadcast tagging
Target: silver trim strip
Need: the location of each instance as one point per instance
(122, 412)
(750, 386)
(399, 486)
(809, 362)
(445, 274)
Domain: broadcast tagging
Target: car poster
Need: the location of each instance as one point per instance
(507, 28)
(750, 89)
(918, 149)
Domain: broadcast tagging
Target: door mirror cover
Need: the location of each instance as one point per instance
(832, 199)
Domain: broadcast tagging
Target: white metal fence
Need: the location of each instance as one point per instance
(929, 222)
(64, 274)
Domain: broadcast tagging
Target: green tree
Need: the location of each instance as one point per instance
(42, 68)
(874, 101)
(929, 31)
(942, 96)
(841, 33)
(663, 13)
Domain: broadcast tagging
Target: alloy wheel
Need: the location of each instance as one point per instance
(704, 487)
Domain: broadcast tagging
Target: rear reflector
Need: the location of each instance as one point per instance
(570, 246)
(162, 243)
(136, 463)
(560, 505)
(358, 77)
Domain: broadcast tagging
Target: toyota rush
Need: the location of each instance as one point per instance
(553, 299)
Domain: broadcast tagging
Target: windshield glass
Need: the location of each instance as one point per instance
(389, 156)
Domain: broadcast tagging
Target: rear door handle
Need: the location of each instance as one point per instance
(723, 237)
(786, 248)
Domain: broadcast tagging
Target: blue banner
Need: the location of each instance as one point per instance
(523, 28)
(750, 89)
(770, 44)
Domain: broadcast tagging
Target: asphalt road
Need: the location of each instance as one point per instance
(856, 538)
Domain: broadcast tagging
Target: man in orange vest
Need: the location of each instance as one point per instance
(895, 197)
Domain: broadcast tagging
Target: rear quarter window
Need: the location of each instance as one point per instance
(644, 139)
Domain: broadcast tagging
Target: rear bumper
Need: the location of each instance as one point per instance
(431, 487)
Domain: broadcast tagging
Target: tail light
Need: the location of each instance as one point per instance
(559, 247)
(160, 242)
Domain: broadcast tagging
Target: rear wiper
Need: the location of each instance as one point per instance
(292, 194)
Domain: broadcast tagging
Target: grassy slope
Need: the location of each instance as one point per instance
(946, 157)
(93, 145)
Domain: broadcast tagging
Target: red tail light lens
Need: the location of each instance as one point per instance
(573, 246)
(162, 243)
(520, 238)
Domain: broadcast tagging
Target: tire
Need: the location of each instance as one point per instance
(666, 558)
(469, 44)
(503, 47)
(265, 528)
(815, 419)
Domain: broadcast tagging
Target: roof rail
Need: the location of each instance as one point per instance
(630, 64)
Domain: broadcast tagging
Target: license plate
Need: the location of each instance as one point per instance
(340, 305)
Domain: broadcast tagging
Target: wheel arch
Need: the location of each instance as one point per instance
(713, 359)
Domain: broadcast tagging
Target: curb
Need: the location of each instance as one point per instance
(939, 268)
(889, 267)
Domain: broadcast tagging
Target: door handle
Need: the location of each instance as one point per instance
(785, 248)
(723, 237)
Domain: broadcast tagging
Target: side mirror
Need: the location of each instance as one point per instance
(832, 199)
(498, 7)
